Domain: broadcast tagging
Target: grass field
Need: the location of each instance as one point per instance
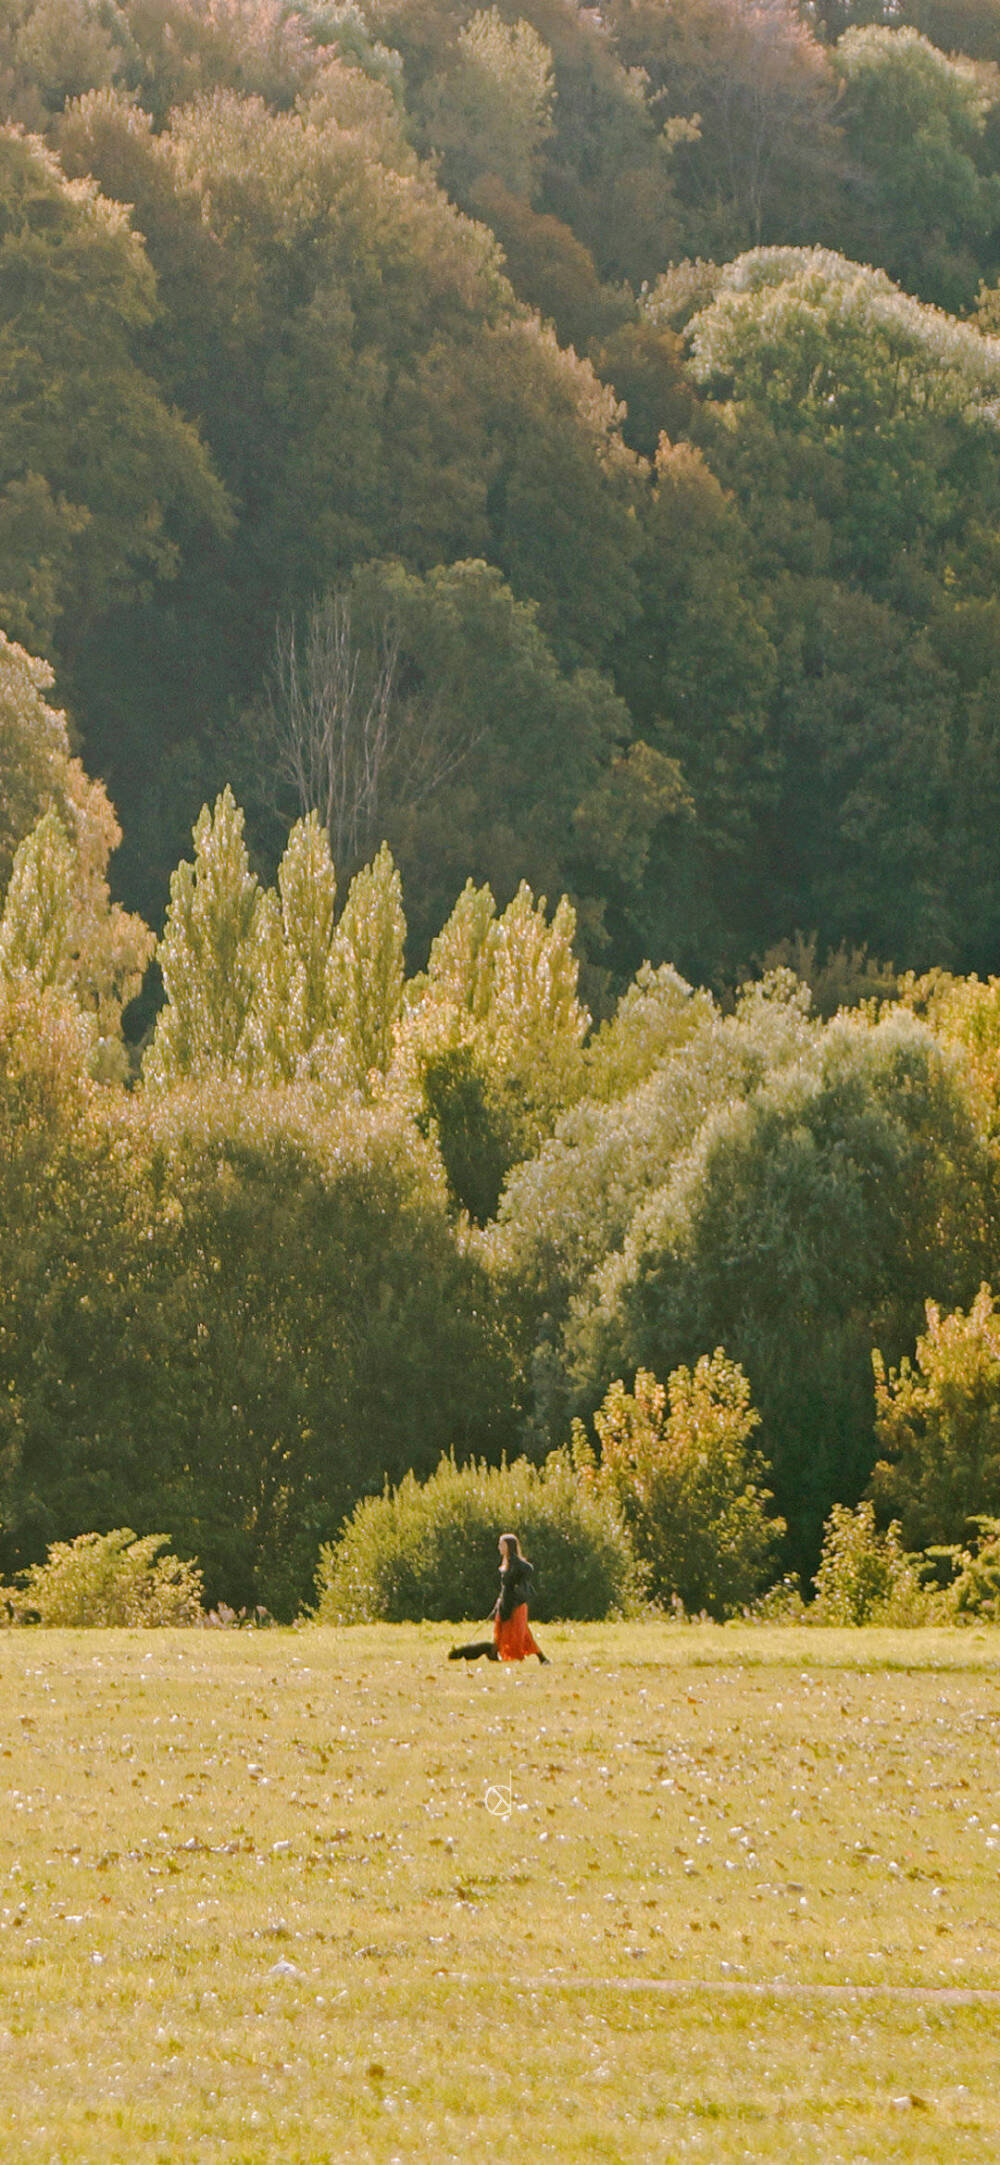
(687, 1893)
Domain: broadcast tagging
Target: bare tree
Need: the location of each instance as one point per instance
(343, 738)
(330, 721)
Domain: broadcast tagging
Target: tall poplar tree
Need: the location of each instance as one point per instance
(206, 954)
(293, 997)
(367, 966)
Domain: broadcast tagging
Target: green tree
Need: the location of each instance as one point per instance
(563, 490)
(463, 1106)
(917, 200)
(658, 1014)
(181, 50)
(51, 50)
(324, 1331)
(606, 167)
(666, 1064)
(678, 1465)
(756, 157)
(882, 407)
(293, 998)
(460, 968)
(938, 1427)
(281, 1319)
(58, 924)
(491, 111)
(866, 1577)
(108, 1580)
(206, 954)
(36, 928)
(494, 1042)
(432, 711)
(700, 683)
(645, 363)
(809, 1223)
(366, 967)
(851, 421)
(100, 480)
(555, 273)
(367, 383)
(428, 1549)
(965, 1014)
(534, 1019)
(63, 1238)
(34, 750)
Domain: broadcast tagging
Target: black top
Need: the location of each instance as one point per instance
(515, 1586)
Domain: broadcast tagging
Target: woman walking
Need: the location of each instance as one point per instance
(512, 1639)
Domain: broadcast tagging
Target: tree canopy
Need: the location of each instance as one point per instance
(520, 487)
(676, 323)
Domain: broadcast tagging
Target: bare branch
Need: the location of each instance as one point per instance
(343, 740)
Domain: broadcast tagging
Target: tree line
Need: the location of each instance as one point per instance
(350, 1217)
(476, 456)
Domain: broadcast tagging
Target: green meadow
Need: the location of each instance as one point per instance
(689, 1892)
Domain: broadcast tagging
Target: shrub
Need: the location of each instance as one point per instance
(781, 1604)
(107, 1579)
(677, 1464)
(973, 1589)
(866, 1577)
(430, 1549)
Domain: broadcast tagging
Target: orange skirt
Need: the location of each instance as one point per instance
(513, 1640)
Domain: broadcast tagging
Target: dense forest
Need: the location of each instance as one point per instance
(536, 338)
(452, 457)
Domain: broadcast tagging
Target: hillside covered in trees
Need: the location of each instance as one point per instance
(452, 457)
(535, 343)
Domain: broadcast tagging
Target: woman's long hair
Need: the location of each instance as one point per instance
(509, 1548)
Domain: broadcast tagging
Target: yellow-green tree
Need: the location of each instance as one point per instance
(515, 977)
(679, 1465)
(36, 929)
(206, 954)
(34, 749)
(964, 1012)
(367, 967)
(937, 1419)
(494, 1043)
(58, 924)
(490, 112)
(293, 1009)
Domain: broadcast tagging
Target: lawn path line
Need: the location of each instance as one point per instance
(756, 1988)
